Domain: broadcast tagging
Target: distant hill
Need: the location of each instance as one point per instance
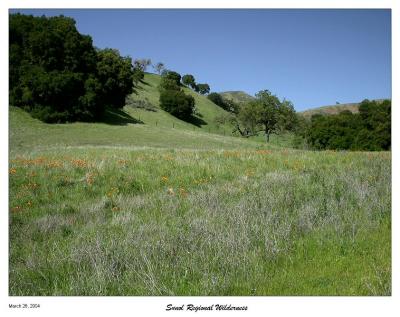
(236, 96)
(333, 109)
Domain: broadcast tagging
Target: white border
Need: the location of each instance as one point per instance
(258, 306)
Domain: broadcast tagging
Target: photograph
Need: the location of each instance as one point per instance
(199, 152)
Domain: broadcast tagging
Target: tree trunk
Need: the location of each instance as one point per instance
(267, 133)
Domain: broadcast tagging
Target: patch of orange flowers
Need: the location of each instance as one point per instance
(79, 163)
(122, 162)
(231, 153)
(36, 161)
(263, 152)
(16, 208)
(54, 164)
(164, 179)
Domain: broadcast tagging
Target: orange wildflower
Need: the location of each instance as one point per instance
(16, 208)
(79, 163)
(263, 151)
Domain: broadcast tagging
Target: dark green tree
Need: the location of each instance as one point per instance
(172, 97)
(217, 99)
(203, 88)
(54, 71)
(188, 80)
(171, 75)
(115, 74)
(50, 65)
(177, 103)
(370, 129)
(225, 104)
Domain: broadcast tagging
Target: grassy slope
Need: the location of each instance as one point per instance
(237, 96)
(28, 134)
(333, 109)
(207, 110)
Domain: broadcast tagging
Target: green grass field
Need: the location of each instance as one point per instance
(125, 208)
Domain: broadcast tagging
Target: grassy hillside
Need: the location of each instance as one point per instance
(237, 96)
(204, 120)
(135, 127)
(333, 109)
(28, 135)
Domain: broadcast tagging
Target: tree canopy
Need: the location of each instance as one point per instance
(172, 97)
(267, 113)
(370, 129)
(203, 88)
(171, 75)
(57, 75)
(159, 67)
(225, 104)
(188, 80)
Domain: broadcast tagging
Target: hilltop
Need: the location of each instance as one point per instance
(237, 96)
(333, 109)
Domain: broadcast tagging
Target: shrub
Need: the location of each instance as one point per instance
(172, 76)
(140, 103)
(203, 88)
(177, 103)
(225, 104)
(217, 99)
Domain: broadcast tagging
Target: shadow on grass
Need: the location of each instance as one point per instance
(144, 82)
(198, 122)
(118, 117)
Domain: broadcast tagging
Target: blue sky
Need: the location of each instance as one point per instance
(311, 57)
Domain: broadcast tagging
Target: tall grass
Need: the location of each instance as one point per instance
(117, 221)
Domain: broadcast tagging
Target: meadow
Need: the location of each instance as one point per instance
(159, 221)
